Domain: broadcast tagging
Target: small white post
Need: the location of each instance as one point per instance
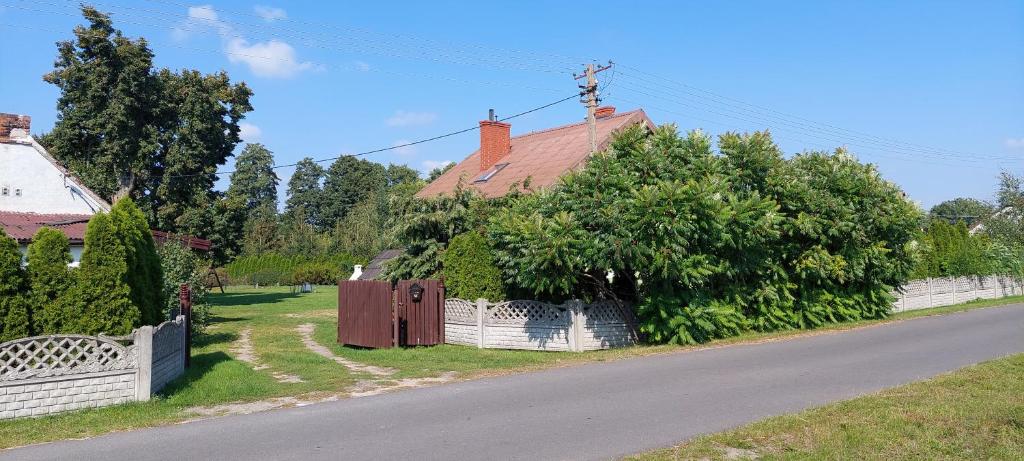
(954, 279)
(577, 319)
(144, 378)
(930, 302)
(481, 316)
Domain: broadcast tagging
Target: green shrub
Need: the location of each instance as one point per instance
(49, 278)
(316, 273)
(145, 279)
(15, 319)
(276, 268)
(469, 270)
(101, 298)
(180, 265)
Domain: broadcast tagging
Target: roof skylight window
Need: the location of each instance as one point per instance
(486, 175)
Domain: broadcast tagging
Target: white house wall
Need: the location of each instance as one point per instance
(43, 187)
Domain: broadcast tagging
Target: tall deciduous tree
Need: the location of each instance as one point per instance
(349, 181)
(963, 209)
(254, 180)
(400, 174)
(129, 130)
(305, 193)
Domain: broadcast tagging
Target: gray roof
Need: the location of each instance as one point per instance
(376, 266)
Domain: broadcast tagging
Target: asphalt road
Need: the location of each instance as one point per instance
(593, 411)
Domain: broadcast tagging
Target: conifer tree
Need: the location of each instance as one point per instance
(49, 278)
(101, 300)
(305, 193)
(15, 319)
(144, 277)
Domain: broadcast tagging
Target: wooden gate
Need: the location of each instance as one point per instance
(372, 314)
(421, 323)
(365, 313)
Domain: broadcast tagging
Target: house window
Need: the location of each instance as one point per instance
(17, 192)
(490, 173)
(5, 191)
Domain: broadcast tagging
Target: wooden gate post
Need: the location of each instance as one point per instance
(185, 301)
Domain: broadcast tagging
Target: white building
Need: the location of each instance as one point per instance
(36, 191)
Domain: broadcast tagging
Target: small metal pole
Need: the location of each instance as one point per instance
(185, 300)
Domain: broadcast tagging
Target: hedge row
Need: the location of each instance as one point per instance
(279, 269)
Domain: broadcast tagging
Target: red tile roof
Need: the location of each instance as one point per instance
(543, 156)
(23, 226)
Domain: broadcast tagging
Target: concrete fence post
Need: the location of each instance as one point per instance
(954, 280)
(930, 302)
(143, 341)
(481, 316)
(577, 319)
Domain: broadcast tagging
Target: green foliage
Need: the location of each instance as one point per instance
(949, 250)
(49, 276)
(181, 265)
(305, 194)
(349, 181)
(15, 320)
(101, 300)
(128, 129)
(144, 276)
(254, 180)
(437, 172)
(276, 268)
(711, 245)
(317, 273)
(967, 210)
(469, 270)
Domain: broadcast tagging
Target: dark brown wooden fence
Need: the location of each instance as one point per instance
(421, 323)
(372, 314)
(365, 313)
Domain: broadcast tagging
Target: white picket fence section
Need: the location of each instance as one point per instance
(945, 291)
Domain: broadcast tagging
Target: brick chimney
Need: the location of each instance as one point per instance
(604, 111)
(495, 141)
(14, 126)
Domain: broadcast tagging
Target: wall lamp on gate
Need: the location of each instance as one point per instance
(416, 292)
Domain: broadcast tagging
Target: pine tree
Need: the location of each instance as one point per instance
(101, 300)
(305, 194)
(145, 277)
(49, 277)
(254, 180)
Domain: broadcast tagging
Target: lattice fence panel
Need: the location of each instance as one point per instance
(459, 311)
(522, 312)
(44, 356)
(605, 312)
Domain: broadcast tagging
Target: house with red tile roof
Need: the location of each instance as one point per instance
(504, 161)
(37, 191)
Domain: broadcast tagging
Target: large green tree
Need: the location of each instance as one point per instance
(305, 192)
(963, 209)
(127, 129)
(254, 180)
(350, 180)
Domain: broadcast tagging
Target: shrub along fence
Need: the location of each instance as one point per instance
(944, 291)
(536, 325)
(50, 374)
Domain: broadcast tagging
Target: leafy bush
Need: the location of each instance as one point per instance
(144, 278)
(180, 265)
(49, 276)
(949, 250)
(276, 268)
(317, 273)
(469, 270)
(15, 321)
(711, 244)
(100, 301)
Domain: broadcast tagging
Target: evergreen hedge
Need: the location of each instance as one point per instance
(101, 301)
(15, 320)
(145, 277)
(277, 268)
(469, 270)
(49, 278)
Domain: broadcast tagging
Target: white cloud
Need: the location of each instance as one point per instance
(272, 59)
(429, 165)
(404, 118)
(249, 132)
(1015, 143)
(404, 150)
(361, 66)
(269, 13)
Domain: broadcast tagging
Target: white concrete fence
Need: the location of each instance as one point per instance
(50, 374)
(945, 291)
(535, 325)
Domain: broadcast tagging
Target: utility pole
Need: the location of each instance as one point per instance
(590, 99)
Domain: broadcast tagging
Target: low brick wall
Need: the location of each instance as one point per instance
(535, 325)
(50, 374)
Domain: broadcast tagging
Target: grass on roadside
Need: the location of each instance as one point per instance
(974, 413)
(272, 316)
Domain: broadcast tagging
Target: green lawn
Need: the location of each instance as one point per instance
(973, 413)
(272, 316)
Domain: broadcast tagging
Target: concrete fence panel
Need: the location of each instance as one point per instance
(946, 291)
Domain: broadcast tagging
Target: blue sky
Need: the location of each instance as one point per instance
(932, 92)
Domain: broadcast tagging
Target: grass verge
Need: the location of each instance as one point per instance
(271, 317)
(974, 413)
